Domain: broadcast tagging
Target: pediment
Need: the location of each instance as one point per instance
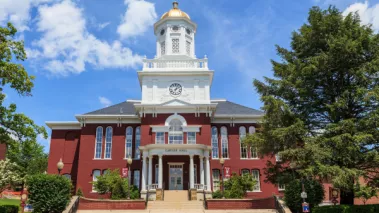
(175, 102)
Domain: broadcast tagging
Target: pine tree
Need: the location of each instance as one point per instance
(322, 106)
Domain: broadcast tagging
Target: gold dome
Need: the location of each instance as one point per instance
(175, 12)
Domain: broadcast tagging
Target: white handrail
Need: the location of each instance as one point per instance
(152, 186)
(176, 64)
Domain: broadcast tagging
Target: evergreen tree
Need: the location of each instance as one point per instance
(322, 106)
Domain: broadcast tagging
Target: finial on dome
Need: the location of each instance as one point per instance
(175, 4)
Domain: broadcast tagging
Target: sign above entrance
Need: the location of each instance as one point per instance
(176, 150)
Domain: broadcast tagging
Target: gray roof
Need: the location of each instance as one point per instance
(223, 108)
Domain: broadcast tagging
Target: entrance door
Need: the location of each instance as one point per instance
(176, 177)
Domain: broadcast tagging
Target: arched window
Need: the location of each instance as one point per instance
(99, 142)
(138, 142)
(253, 150)
(108, 142)
(224, 142)
(255, 174)
(128, 142)
(175, 135)
(245, 172)
(214, 142)
(243, 147)
(95, 174)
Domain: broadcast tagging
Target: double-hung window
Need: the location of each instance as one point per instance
(99, 142)
(136, 178)
(257, 186)
(175, 134)
(95, 174)
(243, 147)
(191, 137)
(214, 143)
(159, 138)
(253, 149)
(216, 179)
(129, 142)
(108, 142)
(224, 142)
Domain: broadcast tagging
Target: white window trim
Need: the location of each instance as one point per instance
(218, 148)
(101, 147)
(281, 188)
(188, 138)
(224, 137)
(106, 142)
(278, 158)
(126, 142)
(164, 138)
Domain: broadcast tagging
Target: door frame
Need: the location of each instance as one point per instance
(169, 174)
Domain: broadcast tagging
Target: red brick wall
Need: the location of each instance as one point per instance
(3, 151)
(266, 203)
(90, 204)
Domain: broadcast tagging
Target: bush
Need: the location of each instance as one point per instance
(347, 209)
(48, 193)
(292, 198)
(79, 192)
(217, 194)
(8, 209)
(237, 186)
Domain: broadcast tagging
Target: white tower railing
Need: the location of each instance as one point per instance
(165, 64)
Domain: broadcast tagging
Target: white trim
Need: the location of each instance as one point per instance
(194, 128)
(157, 128)
(218, 100)
(160, 128)
(170, 163)
(246, 120)
(176, 116)
(63, 125)
(133, 101)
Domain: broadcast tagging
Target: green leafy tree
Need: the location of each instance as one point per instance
(236, 186)
(15, 127)
(48, 193)
(365, 192)
(9, 174)
(292, 195)
(321, 106)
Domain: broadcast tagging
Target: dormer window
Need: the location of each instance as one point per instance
(175, 45)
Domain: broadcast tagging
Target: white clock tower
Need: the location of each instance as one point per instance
(175, 80)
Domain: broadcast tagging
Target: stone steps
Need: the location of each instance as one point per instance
(175, 205)
(176, 195)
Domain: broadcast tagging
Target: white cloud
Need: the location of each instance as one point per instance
(105, 101)
(139, 16)
(66, 46)
(368, 15)
(103, 25)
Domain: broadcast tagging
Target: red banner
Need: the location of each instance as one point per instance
(227, 172)
(125, 172)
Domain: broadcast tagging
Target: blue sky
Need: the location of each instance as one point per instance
(85, 53)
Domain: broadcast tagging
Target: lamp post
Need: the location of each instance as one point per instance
(222, 161)
(303, 193)
(24, 198)
(130, 161)
(334, 196)
(60, 166)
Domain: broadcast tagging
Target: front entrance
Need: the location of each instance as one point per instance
(176, 176)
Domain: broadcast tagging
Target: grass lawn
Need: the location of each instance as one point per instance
(15, 202)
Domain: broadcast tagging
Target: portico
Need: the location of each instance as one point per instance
(175, 171)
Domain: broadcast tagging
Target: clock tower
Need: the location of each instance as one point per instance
(175, 78)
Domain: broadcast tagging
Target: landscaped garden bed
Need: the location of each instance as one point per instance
(105, 204)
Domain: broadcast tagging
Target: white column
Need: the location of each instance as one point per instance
(201, 170)
(160, 176)
(143, 188)
(192, 181)
(208, 172)
(150, 170)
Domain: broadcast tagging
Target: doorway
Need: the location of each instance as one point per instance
(176, 176)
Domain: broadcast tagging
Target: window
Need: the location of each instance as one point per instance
(278, 158)
(68, 176)
(156, 173)
(195, 173)
(214, 143)
(137, 154)
(99, 142)
(224, 142)
(216, 179)
(243, 147)
(175, 135)
(128, 142)
(281, 187)
(188, 47)
(175, 45)
(136, 178)
(163, 48)
(108, 142)
(95, 174)
(159, 138)
(245, 172)
(253, 150)
(255, 174)
(191, 137)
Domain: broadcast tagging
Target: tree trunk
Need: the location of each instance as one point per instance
(347, 198)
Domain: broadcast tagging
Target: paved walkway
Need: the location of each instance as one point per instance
(179, 211)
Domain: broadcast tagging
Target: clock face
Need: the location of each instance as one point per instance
(175, 89)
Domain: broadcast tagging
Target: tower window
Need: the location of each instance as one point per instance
(188, 47)
(175, 45)
(188, 31)
(175, 28)
(162, 32)
(163, 47)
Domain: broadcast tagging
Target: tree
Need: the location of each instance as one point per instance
(236, 186)
(48, 193)
(15, 127)
(292, 195)
(365, 192)
(321, 107)
(9, 174)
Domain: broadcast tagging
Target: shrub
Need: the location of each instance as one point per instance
(79, 192)
(8, 209)
(48, 193)
(217, 194)
(347, 209)
(314, 190)
(237, 186)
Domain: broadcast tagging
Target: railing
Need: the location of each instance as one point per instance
(184, 64)
(73, 206)
(152, 186)
(200, 186)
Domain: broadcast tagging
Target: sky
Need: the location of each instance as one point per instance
(85, 53)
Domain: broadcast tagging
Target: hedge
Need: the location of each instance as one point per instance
(347, 209)
(8, 209)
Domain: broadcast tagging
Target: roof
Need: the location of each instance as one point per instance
(223, 108)
(230, 108)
